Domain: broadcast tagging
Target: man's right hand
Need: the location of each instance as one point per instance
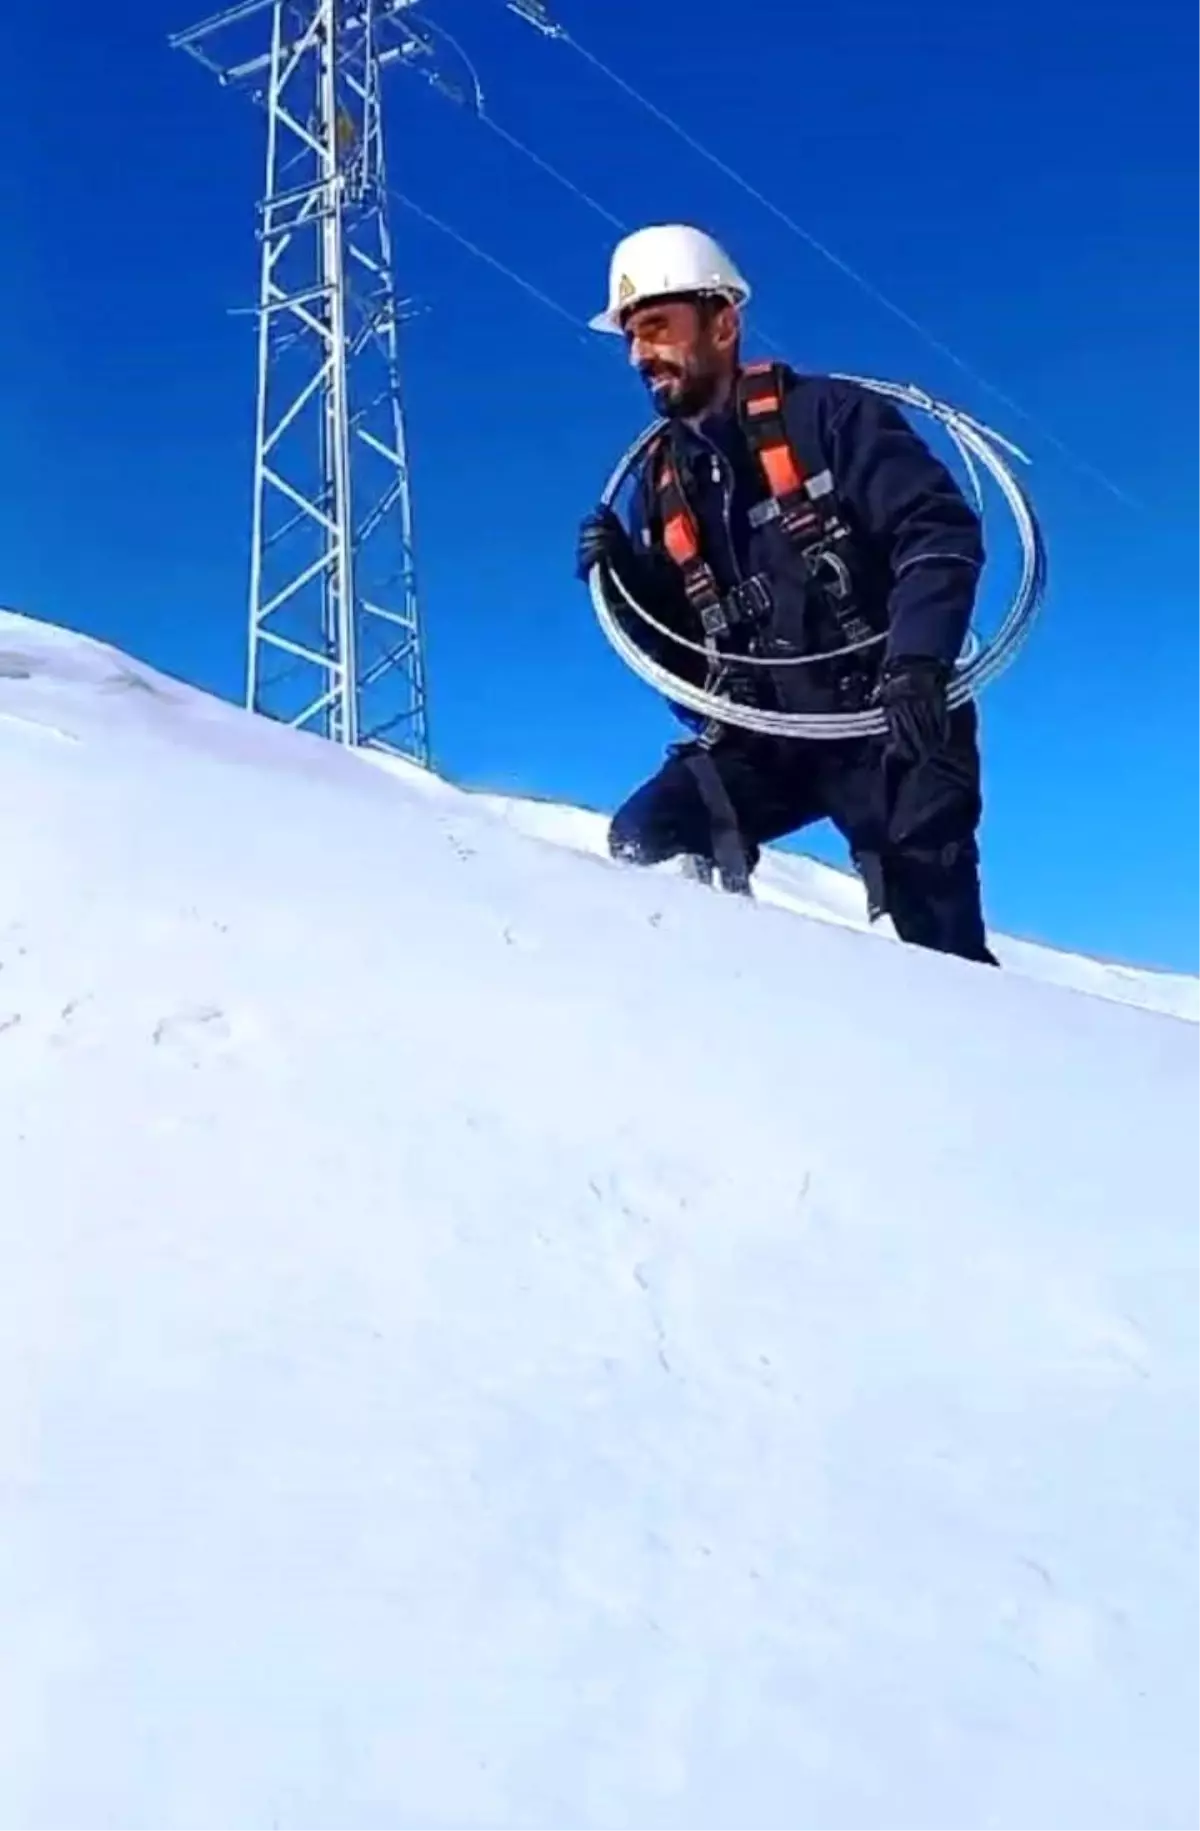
(602, 537)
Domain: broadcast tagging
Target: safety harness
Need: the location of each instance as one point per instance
(807, 512)
(805, 507)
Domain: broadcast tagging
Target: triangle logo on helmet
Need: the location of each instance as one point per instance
(625, 289)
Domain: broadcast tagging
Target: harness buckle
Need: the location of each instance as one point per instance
(751, 601)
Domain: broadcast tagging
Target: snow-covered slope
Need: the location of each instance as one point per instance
(491, 1339)
(807, 887)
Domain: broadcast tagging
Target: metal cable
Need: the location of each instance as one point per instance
(491, 260)
(975, 670)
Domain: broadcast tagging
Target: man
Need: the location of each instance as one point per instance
(781, 517)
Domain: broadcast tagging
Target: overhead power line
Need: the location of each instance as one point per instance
(490, 260)
(534, 13)
(476, 101)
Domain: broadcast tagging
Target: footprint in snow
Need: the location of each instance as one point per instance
(197, 1033)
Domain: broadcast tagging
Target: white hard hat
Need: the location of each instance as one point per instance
(665, 259)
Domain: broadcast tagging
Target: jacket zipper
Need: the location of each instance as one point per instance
(722, 473)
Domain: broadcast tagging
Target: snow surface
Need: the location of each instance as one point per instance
(489, 1338)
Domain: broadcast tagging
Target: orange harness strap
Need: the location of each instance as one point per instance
(806, 508)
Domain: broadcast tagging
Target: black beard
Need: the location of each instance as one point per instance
(679, 397)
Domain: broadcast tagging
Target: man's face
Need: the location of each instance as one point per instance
(683, 352)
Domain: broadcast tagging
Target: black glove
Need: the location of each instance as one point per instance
(603, 537)
(912, 693)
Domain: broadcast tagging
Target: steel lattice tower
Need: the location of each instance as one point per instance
(334, 643)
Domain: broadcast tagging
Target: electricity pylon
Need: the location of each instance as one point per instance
(334, 637)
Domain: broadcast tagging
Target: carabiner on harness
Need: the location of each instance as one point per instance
(824, 558)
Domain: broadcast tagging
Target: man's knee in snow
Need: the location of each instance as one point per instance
(625, 845)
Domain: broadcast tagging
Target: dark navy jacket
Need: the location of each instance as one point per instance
(916, 542)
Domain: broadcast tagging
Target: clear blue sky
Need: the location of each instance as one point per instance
(1020, 178)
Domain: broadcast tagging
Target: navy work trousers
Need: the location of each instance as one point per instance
(911, 829)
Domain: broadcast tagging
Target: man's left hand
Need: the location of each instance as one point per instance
(912, 693)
